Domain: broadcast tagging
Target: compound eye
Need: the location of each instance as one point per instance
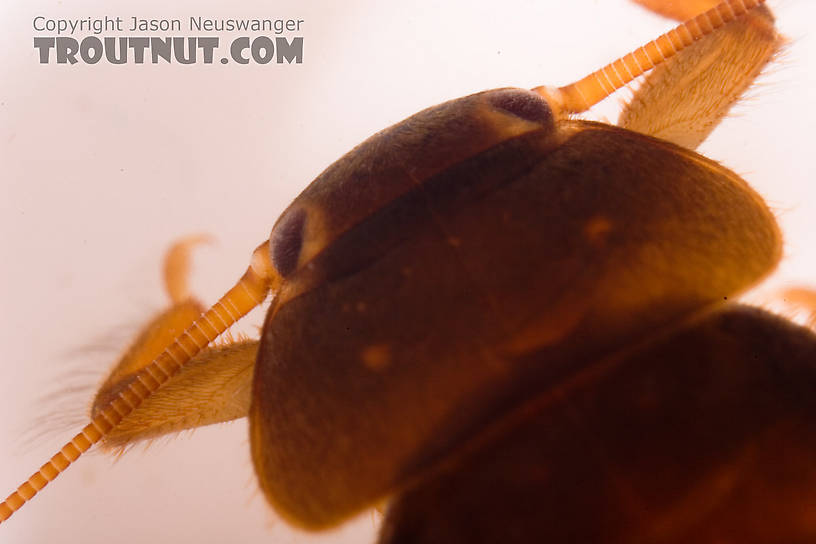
(523, 104)
(286, 241)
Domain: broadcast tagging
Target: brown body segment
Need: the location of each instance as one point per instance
(704, 437)
(477, 285)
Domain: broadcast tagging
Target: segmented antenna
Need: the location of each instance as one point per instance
(249, 292)
(583, 94)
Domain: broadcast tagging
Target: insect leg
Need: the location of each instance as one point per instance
(803, 298)
(683, 99)
(213, 387)
(163, 328)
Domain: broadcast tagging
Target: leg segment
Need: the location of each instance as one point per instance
(802, 298)
(683, 99)
(706, 437)
(213, 387)
(177, 267)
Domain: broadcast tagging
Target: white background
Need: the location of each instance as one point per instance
(101, 167)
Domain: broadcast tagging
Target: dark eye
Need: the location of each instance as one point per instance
(523, 104)
(286, 241)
